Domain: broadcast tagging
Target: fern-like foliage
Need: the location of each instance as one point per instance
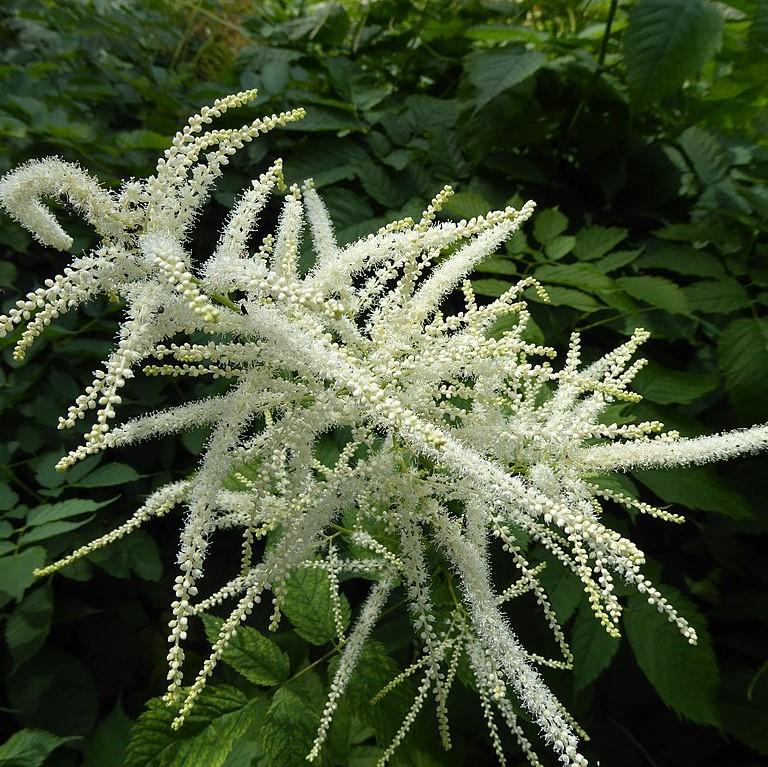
(456, 431)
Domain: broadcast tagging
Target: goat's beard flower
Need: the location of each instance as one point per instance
(456, 430)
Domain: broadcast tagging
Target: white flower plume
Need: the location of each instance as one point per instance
(456, 436)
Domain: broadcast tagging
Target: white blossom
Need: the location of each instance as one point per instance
(455, 436)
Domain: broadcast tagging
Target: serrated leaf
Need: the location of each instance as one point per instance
(135, 553)
(221, 716)
(705, 154)
(666, 386)
(743, 353)
(560, 246)
(667, 41)
(308, 605)
(50, 530)
(106, 745)
(16, 574)
(656, 291)
(28, 625)
(586, 277)
(685, 677)
(593, 649)
(289, 729)
(8, 499)
(617, 259)
(490, 287)
(493, 72)
(466, 205)
(72, 507)
(717, 297)
(682, 260)
(108, 475)
(251, 654)
(549, 224)
(695, 487)
(563, 588)
(559, 296)
(592, 242)
(30, 747)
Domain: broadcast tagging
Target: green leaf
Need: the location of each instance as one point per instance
(562, 586)
(743, 353)
(136, 553)
(308, 605)
(667, 42)
(569, 297)
(28, 625)
(289, 729)
(30, 748)
(593, 649)
(586, 277)
(8, 499)
(560, 246)
(666, 386)
(491, 287)
(617, 259)
(493, 72)
(72, 507)
(705, 154)
(251, 654)
(108, 475)
(220, 718)
(592, 242)
(695, 487)
(682, 260)
(685, 677)
(106, 745)
(50, 530)
(717, 297)
(16, 572)
(656, 291)
(466, 205)
(549, 224)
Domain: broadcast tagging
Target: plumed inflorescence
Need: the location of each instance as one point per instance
(455, 433)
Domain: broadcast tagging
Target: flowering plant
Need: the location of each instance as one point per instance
(457, 435)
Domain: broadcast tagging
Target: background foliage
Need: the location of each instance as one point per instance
(640, 129)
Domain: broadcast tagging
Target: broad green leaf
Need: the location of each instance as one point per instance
(717, 297)
(108, 475)
(560, 246)
(16, 572)
(289, 729)
(586, 277)
(617, 259)
(498, 265)
(8, 499)
(493, 72)
(106, 745)
(656, 291)
(28, 625)
(466, 205)
(696, 487)
(592, 648)
(135, 553)
(308, 605)
(570, 297)
(220, 718)
(666, 386)
(705, 154)
(30, 747)
(743, 353)
(563, 588)
(549, 224)
(667, 41)
(50, 530)
(491, 287)
(682, 260)
(251, 654)
(685, 677)
(72, 507)
(592, 242)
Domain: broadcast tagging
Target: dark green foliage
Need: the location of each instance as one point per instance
(646, 150)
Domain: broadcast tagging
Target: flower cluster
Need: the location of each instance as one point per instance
(457, 433)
